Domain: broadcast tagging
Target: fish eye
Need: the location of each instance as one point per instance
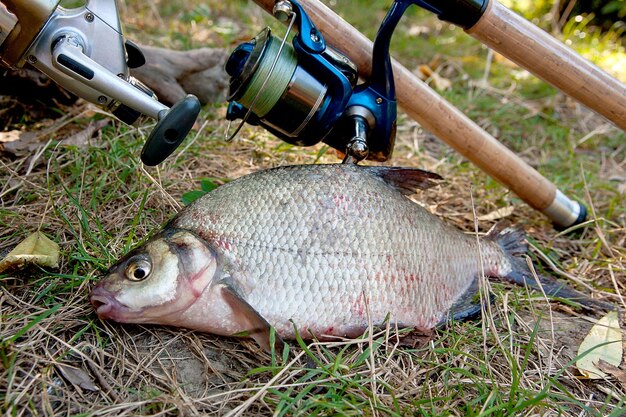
(138, 269)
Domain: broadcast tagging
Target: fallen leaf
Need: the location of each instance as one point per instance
(424, 72)
(78, 377)
(614, 371)
(498, 214)
(10, 136)
(604, 342)
(82, 138)
(36, 249)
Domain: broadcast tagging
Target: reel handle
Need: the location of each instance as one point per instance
(68, 57)
(171, 130)
(173, 124)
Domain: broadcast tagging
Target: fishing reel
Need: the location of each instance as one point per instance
(305, 92)
(83, 50)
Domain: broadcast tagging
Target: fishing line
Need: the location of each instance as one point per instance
(279, 80)
(269, 81)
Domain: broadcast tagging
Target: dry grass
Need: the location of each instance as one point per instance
(152, 371)
(98, 201)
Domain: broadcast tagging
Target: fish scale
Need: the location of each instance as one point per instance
(321, 246)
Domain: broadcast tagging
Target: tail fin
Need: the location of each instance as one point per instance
(512, 240)
(514, 245)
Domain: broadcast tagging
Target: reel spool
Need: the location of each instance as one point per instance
(306, 92)
(291, 97)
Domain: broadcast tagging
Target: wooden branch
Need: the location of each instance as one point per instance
(173, 74)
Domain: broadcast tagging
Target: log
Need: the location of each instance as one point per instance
(173, 74)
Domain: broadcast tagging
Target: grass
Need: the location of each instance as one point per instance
(98, 201)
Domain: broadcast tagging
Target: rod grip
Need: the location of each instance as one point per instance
(549, 59)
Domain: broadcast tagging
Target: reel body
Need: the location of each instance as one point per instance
(295, 105)
(307, 92)
(83, 49)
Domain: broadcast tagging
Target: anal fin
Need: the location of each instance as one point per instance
(467, 306)
(249, 319)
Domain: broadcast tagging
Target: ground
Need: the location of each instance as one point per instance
(95, 199)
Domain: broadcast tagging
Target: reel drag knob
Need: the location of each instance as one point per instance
(170, 131)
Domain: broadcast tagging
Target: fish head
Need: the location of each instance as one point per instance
(157, 282)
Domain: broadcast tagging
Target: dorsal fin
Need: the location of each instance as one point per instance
(405, 180)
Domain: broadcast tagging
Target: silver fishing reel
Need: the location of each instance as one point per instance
(83, 49)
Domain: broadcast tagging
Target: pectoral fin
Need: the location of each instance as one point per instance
(249, 319)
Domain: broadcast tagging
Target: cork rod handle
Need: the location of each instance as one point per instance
(549, 59)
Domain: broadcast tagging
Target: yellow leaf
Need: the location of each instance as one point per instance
(497, 214)
(77, 377)
(36, 249)
(10, 136)
(604, 342)
(424, 71)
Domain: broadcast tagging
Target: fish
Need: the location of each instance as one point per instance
(319, 251)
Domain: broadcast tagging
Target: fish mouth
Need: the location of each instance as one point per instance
(107, 307)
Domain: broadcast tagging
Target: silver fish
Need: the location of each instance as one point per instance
(326, 248)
